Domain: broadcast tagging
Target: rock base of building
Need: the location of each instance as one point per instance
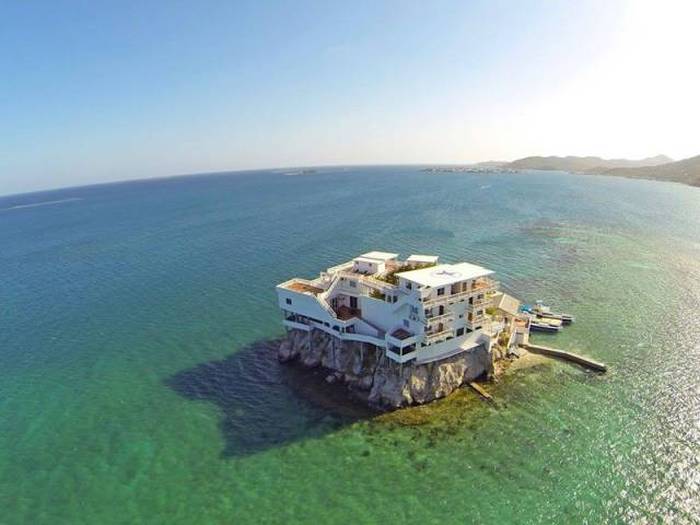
(376, 379)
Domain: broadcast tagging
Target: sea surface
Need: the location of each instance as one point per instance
(138, 383)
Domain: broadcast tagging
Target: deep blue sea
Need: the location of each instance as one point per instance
(137, 384)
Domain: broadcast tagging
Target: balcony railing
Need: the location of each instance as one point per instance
(481, 303)
(480, 320)
(430, 337)
(480, 287)
(443, 317)
(370, 281)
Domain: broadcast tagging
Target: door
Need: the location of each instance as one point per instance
(353, 303)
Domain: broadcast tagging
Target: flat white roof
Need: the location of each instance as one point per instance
(423, 259)
(444, 274)
(378, 256)
(367, 260)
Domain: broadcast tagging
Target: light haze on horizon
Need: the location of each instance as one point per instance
(94, 92)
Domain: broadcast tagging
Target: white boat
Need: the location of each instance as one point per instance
(545, 324)
(545, 311)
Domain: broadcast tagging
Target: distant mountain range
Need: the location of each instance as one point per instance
(579, 164)
(660, 167)
(686, 171)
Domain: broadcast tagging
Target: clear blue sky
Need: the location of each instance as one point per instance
(97, 91)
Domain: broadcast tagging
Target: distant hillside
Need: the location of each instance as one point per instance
(686, 171)
(583, 164)
(490, 164)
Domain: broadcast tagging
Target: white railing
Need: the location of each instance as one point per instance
(400, 358)
(480, 288)
(476, 320)
(370, 281)
(340, 267)
(478, 304)
(438, 335)
(287, 285)
(437, 318)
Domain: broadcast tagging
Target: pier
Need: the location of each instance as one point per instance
(567, 356)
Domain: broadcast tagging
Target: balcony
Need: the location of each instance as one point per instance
(302, 286)
(345, 313)
(369, 281)
(444, 317)
(480, 303)
(481, 285)
(430, 337)
(476, 321)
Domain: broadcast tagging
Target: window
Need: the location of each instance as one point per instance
(408, 285)
(460, 331)
(405, 323)
(288, 300)
(353, 284)
(441, 291)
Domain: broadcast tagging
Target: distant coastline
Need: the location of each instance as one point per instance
(660, 167)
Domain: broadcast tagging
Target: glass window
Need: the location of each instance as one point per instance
(441, 291)
(288, 300)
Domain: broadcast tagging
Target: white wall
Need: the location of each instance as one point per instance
(427, 353)
(370, 267)
(302, 304)
(378, 312)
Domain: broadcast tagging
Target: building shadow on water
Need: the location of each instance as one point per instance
(266, 404)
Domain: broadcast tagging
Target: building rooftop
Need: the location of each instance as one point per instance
(299, 286)
(423, 259)
(508, 304)
(379, 256)
(444, 274)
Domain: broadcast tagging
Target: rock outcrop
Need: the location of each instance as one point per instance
(376, 379)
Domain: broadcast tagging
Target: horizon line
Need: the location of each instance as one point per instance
(309, 166)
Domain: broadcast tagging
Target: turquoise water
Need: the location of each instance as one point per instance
(136, 385)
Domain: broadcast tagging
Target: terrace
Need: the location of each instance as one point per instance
(401, 334)
(345, 312)
(303, 287)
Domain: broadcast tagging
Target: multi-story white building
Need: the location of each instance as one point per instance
(415, 309)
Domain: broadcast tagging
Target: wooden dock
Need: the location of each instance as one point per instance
(567, 356)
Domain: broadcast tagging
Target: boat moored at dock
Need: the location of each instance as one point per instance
(543, 311)
(544, 324)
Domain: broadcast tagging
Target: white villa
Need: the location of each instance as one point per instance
(415, 309)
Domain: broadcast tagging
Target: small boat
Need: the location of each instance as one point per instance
(542, 310)
(539, 326)
(545, 324)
